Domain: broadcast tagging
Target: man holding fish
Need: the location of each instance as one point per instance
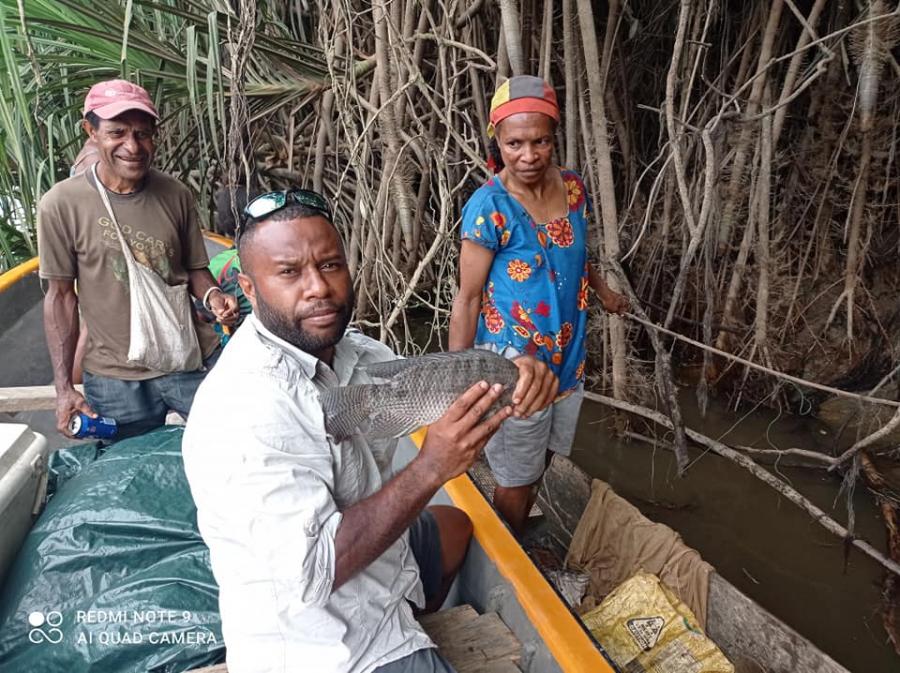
(524, 279)
(318, 549)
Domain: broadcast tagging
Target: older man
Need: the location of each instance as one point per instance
(317, 549)
(78, 240)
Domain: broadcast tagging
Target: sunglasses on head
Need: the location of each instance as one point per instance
(271, 202)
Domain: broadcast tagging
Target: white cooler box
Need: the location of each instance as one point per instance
(23, 485)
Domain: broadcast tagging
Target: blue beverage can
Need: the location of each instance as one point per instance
(82, 425)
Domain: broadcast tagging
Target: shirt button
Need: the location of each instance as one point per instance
(311, 529)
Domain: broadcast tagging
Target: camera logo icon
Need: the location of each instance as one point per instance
(45, 627)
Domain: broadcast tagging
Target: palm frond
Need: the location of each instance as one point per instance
(177, 50)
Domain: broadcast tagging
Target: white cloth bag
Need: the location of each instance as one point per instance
(162, 329)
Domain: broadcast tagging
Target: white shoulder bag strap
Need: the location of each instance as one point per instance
(162, 334)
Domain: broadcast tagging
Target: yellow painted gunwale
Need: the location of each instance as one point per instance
(17, 273)
(564, 636)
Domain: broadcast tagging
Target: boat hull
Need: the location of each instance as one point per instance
(750, 636)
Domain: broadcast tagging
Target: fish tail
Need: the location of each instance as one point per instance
(346, 408)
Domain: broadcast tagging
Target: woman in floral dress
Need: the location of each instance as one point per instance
(524, 279)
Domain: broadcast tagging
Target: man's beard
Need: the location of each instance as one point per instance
(289, 329)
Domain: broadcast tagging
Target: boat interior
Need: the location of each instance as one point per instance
(513, 607)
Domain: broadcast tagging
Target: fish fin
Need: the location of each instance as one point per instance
(470, 353)
(346, 408)
(386, 370)
(389, 369)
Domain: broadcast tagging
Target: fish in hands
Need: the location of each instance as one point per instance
(414, 392)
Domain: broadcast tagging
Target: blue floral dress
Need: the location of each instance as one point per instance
(536, 295)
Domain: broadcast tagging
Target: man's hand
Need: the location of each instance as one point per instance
(613, 302)
(455, 440)
(225, 307)
(537, 386)
(68, 403)
(369, 526)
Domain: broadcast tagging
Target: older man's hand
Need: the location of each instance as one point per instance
(537, 386)
(225, 308)
(68, 403)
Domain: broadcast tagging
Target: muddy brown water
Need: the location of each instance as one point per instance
(758, 540)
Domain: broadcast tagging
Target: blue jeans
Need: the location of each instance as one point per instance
(139, 406)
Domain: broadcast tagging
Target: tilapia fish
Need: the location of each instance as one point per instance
(414, 392)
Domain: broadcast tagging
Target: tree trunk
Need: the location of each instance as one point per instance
(546, 41)
(607, 194)
(762, 241)
(871, 51)
(741, 151)
(571, 58)
(512, 33)
(794, 69)
(395, 169)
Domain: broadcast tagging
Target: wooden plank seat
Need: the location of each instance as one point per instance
(29, 398)
(472, 643)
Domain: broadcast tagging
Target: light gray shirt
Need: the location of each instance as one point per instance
(269, 487)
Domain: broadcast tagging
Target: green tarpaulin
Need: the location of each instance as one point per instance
(114, 576)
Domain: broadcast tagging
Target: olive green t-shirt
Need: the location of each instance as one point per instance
(77, 241)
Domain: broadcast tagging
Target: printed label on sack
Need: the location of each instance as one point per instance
(677, 658)
(645, 631)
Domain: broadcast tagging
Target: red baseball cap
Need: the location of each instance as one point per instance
(111, 98)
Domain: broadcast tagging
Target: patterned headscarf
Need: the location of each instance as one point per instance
(522, 93)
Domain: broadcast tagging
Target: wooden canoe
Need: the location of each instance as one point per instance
(752, 638)
(497, 577)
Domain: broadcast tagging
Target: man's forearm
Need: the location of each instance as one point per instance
(61, 329)
(372, 525)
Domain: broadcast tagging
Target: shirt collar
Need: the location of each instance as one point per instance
(307, 362)
(346, 357)
(345, 354)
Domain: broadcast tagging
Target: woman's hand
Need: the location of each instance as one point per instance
(536, 388)
(613, 302)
